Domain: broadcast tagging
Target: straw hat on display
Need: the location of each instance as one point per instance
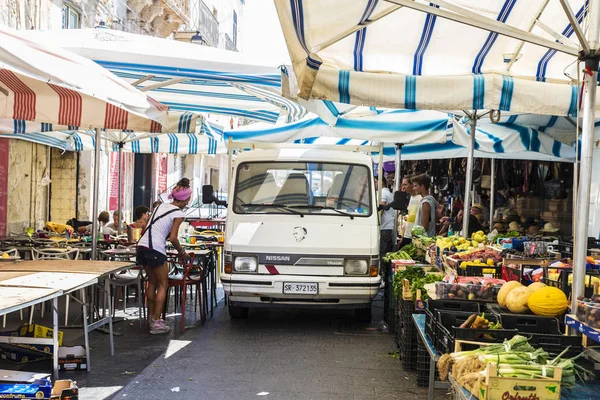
(500, 227)
(549, 228)
(514, 226)
(533, 230)
(512, 216)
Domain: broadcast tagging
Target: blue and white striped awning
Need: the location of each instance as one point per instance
(397, 54)
(71, 139)
(184, 76)
(399, 126)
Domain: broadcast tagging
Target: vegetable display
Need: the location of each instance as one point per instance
(515, 358)
(417, 278)
(480, 322)
(480, 289)
(399, 255)
(418, 230)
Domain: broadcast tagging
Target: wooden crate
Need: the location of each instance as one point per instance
(498, 388)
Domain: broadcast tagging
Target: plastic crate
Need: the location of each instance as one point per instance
(430, 323)
(530, 323)
(478, 270)
(423, 364)
(563, 282)
(445, 305)
(556, 344)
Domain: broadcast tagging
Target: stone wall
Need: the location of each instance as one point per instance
(27, 198)
(64, 186)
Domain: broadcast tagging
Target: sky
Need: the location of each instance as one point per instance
(262, 33)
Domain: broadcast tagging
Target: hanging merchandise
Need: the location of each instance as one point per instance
(486, 178)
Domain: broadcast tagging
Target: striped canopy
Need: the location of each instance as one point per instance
(448, 138)
(399, 126)
(416, 55)
(68, 139)
(184, 76)
(44, 83)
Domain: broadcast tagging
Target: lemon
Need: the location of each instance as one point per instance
(4, 255)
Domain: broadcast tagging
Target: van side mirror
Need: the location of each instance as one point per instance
(208, 196)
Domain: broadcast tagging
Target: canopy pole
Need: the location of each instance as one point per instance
(380, 174)
(95, 194)
(469, 177)
(120, 206)
(397, 180)
(229, 164)
(492, 192)
(587, 146)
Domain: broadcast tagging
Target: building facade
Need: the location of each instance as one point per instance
(25, 201)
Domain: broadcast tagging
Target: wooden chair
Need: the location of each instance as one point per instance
(180, 277)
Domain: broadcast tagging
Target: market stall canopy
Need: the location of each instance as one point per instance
(421, 55)
(446, 139)
(46, 83)
(184, 76)
(399, 126)
(68, 139)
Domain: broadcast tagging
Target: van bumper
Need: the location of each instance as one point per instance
(267, 291)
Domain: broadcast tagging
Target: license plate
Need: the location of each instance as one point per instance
(300, 288)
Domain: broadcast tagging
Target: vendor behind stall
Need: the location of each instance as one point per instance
(409, 220)
(428, 206)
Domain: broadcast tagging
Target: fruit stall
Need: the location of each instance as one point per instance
(492, 313)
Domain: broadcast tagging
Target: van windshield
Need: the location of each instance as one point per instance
(312, 188)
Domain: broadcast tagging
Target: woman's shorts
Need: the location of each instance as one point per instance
(149, 258)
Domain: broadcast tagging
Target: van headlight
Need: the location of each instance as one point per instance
(355, 267)
(245, 264)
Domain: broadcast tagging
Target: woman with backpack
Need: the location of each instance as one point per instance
(152, 255)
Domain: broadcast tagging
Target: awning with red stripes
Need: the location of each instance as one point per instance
(47, 84)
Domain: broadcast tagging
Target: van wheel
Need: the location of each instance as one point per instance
(237, 312)
(362, 314)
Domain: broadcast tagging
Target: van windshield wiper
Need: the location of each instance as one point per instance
(324, 208)
(275, 205)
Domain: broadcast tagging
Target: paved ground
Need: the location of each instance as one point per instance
(274, 354)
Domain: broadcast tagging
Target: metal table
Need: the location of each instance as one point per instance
(60, 277)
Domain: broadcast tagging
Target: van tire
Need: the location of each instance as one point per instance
(237, 312)
(362, 314)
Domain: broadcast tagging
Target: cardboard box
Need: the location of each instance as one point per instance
(19, 355)
(65, 389)
(72, 358)
(25, 385)
(39, 331)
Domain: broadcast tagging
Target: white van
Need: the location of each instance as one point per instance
(302, 230)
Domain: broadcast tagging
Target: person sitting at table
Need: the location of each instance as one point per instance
(152, 254)
(115, 224)
(103, 219)
(141, 215)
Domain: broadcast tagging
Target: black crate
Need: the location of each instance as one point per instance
(530, 323)
(430, 323)
(445, 305)
(447, 331)
(556, 344)
(563, 282)
(477, 270)
(423, 364)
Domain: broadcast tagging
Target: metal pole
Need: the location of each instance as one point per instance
(380, 174)
(229, 163)
(398, 173)
(397, 181)
(583, 195)
(120, 193)
(95, 194)
(469, 177)
(492, 191)
(587, 145)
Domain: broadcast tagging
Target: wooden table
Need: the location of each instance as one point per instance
(27, 283)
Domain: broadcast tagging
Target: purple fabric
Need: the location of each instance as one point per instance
(389, 166)
(182, 194)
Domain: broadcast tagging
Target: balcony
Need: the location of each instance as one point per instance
(226, 43)
(208, 26)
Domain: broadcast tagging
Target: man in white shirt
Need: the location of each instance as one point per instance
(386, 242)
